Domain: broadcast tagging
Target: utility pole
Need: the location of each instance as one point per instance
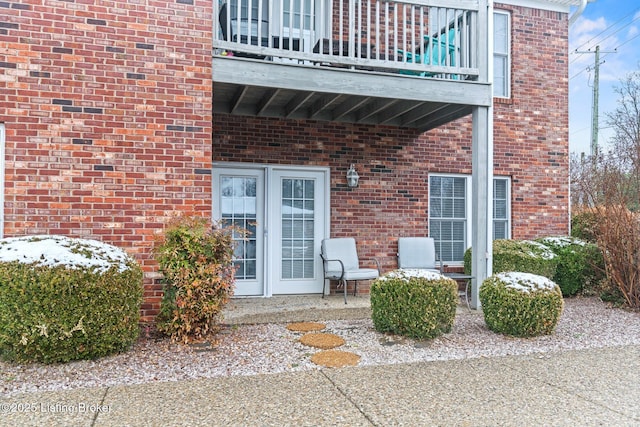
(594, 107)
(594, 112)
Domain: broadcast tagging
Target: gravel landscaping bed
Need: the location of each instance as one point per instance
(270, 348)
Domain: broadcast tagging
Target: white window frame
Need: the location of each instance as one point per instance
(508, 207)
(469, 206)
(506, 88)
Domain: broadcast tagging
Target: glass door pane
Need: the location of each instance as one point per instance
(297, 222)
(239, 207)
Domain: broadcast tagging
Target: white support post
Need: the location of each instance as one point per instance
(482, 200)
(482, 162)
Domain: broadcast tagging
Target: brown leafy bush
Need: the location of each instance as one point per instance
(618, 236)
(196, 258)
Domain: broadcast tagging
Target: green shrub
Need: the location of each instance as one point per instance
(519, 255)
(579, 264)
(584, 224)
(521, 304)
(196, 259)
(414, 303)
(65, 299)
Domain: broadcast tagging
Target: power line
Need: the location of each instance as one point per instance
(606, 53)
(608, 28)
(580, 130)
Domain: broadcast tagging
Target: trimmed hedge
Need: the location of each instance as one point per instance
(579, 264)
(64, 299)
(414, 303)
(519, 255)
(521, 304)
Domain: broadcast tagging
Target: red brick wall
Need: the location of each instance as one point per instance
(107, 108)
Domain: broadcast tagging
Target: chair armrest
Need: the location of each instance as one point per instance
(324, 264)
(377, 264)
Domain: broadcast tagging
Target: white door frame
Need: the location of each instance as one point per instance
(269, 220)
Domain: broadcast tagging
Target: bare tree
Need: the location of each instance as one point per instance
(583, 182)
(625, 121)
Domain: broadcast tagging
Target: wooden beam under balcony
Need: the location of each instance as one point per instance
(306, 91)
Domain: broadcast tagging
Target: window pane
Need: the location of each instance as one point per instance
(499, 230)
(460, 187)
(500, 188)
(457, 230)
(286, 269)
(499, 209)
(500, 76)
(501, 52)
(250, 269)
(309, 189)
(434, 229)
(298, 188)
(447, 187)
(435, 208)
(435, 186)
(287, 189)
(459, 206)
(447, 208)
(501, 33)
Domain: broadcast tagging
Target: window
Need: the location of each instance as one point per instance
(501, 55)
(501, 224)
(450, 213)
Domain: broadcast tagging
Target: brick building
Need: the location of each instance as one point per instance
(117, 114)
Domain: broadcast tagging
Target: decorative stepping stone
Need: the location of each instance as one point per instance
(305, 326)
(335, 358)
(322, 341)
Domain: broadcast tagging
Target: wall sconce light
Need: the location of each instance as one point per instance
(352, 177)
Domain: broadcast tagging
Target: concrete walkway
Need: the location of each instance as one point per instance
(586, 388)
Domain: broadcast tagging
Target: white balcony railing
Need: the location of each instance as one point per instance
(426, 38)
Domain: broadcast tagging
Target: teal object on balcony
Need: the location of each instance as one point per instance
(435, 53)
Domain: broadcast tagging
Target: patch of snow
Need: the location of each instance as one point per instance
(526, 282)
(545, 252)
(52, 251)
(412, 272)
(563, 241)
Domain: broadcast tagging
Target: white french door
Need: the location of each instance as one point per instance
(239, 201)
(285, 211)
(298, 224)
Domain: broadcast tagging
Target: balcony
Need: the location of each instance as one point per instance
(415, 63)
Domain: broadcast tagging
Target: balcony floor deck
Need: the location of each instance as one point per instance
(319, 92)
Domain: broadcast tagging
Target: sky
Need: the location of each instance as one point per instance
(614, 25)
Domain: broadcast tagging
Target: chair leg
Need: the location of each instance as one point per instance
(344, 283)
(355, 288)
